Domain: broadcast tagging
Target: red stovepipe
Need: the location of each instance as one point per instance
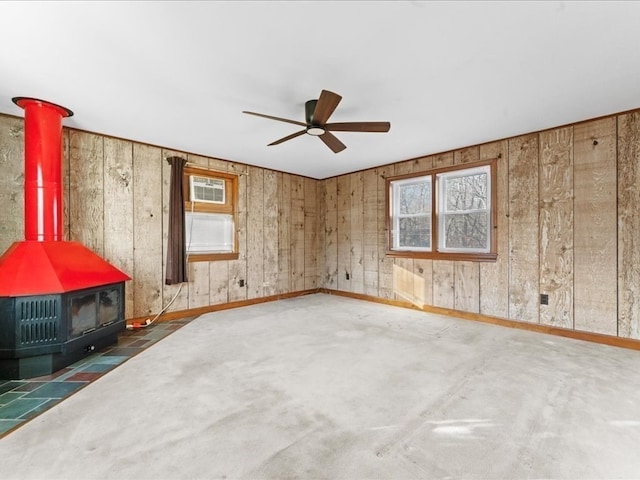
(42, 169)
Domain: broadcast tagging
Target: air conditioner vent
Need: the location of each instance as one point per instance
(207, 190)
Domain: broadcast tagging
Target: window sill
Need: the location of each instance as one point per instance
(462, 257)
(212, 257)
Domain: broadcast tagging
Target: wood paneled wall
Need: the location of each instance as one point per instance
(568, 226)
(11, 181)
(116, 203)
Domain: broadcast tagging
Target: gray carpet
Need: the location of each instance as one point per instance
(324, 387)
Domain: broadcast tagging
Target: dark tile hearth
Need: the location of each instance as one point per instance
(23, 400)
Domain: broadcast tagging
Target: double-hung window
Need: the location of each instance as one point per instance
(210, 214)
(412, 219)
(446, 213)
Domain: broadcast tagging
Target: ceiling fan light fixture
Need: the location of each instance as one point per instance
(315, 130)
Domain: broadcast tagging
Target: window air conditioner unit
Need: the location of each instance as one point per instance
(206, 190)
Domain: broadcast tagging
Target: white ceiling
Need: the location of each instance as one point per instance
(445, 74)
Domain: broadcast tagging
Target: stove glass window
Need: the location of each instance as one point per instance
(83, 314)
(109, 307)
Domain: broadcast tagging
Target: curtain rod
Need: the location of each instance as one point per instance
(204, 167)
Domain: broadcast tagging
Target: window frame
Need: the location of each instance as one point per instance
(435, 253)
(396, 224)
(229, 207)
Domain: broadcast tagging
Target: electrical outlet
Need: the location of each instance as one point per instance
(241, 283)
(544, 299)
(265, 284)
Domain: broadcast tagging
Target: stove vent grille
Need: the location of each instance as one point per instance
(39, 320)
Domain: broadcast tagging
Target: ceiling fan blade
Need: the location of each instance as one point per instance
(326, 105)
(332, 142)
(302, 124)
(288, 137)
(358, 127)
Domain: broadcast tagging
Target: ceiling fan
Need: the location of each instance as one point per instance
(317, 113)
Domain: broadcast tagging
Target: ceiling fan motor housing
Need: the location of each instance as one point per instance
(309, 108)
